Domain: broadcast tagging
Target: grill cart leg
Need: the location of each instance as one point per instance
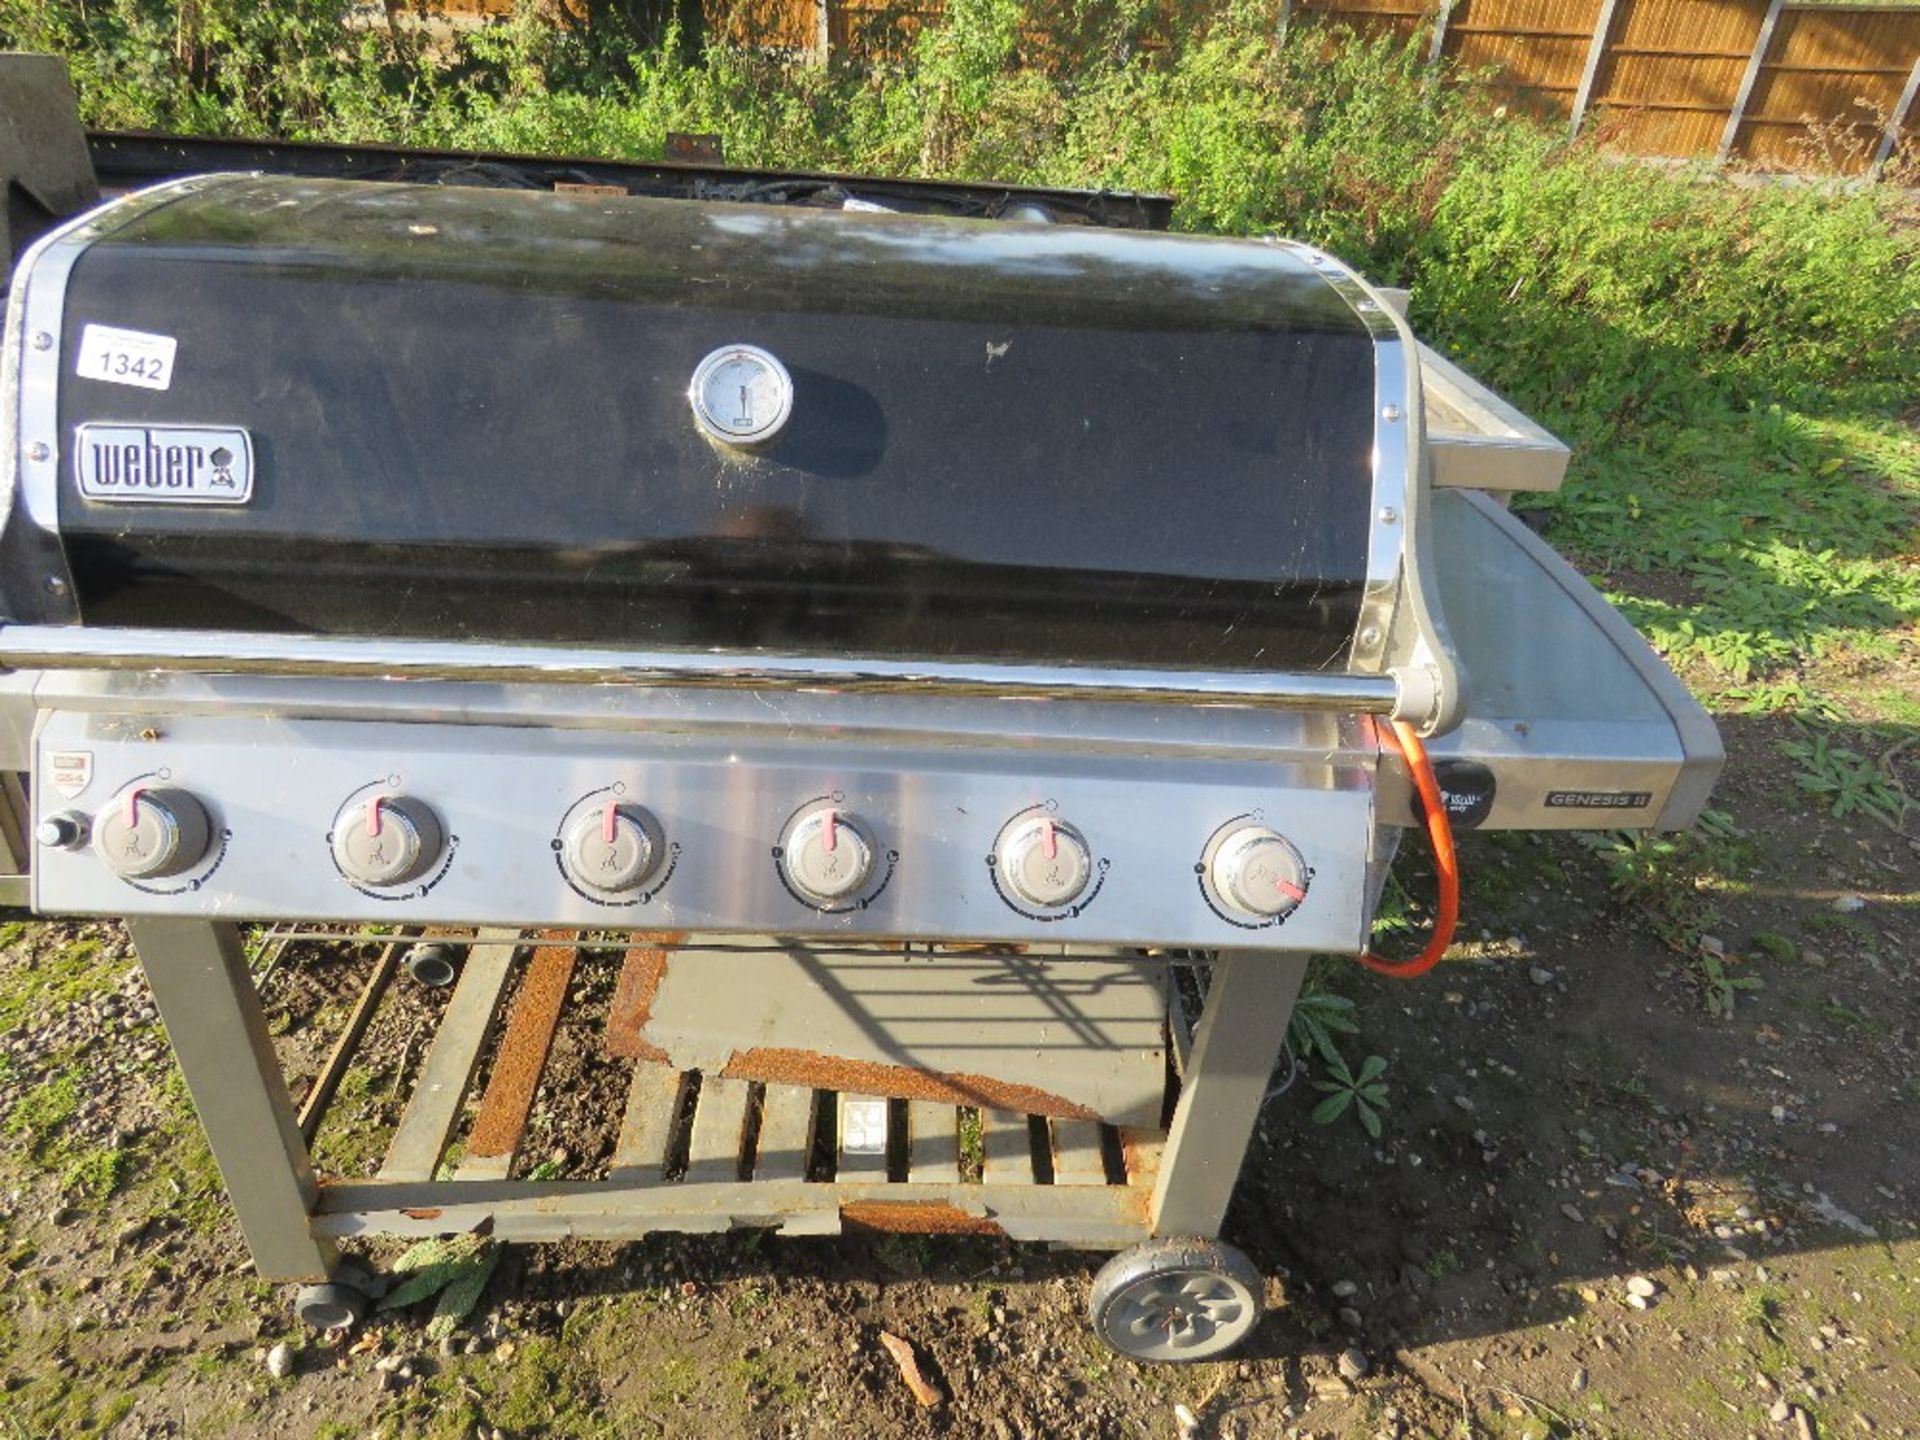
(198, 973)
(1235, 1047)
(1184, 1295)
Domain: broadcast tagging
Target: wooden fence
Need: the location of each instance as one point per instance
(1806, 87)
(1823, 87)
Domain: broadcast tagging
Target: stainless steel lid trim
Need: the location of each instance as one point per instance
(30, 440)
(57, 647)
(1401, 629)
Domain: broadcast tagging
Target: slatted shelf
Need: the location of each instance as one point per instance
(700, 1151)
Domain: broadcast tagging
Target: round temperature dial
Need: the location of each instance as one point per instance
(1044, 862)
(825, 857)
(149, 833)
(611, 849)
(1258, 872)
(387, 839)
(741, 395)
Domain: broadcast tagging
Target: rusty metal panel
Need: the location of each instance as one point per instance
(1140, 1151)
(522, 1056)
(633, 996)
(434, 1107)
(1080, 1039)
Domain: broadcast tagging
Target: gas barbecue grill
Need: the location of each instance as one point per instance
(955, 670)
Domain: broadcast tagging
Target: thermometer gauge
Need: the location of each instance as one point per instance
(741, 396)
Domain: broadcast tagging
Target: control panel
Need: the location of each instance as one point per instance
(375, 821)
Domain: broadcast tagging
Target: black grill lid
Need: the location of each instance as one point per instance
(469, 419)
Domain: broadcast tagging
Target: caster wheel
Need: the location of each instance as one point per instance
(340, 1303)
(1176, 1300)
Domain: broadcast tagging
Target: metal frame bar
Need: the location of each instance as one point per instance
(1436, 47)
(1762, 43)
(213, 1016)
(1590, 72)
(209, 652)
(1891, 137)
(1243, 1023)
(200, 982)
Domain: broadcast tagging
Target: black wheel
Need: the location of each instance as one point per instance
(1176, 1301)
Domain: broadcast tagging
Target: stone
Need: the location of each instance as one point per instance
(1640, 1285)
(1780, 1412)
(1539, 975)
(280, 1361)
(1353, 1364)
(1579, 1381)
(1344, 1289)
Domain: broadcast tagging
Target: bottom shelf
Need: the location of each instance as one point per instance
(701, 1152)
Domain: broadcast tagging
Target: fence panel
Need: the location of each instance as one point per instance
(1671, 70)
(1539, 47)
(1828, 87)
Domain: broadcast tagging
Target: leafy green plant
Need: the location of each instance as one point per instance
(1721, 987)
(1319, 1015)
(455, 1270)
(1845, 781)
(1364, 1092)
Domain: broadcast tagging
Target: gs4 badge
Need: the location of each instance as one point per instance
(164, 464)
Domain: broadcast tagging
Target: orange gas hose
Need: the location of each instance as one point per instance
(1406, 740)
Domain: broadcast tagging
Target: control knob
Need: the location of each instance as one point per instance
(825, 856)
(386, 839)
(1258, 872)
(150, 832)
(1045, 862)
(610, 849)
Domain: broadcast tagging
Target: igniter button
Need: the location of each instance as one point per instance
(149, 833)
(67, 830)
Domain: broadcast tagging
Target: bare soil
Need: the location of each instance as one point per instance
(1566, 1115)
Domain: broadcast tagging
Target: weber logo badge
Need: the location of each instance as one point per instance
(164, 464)
(70, 771)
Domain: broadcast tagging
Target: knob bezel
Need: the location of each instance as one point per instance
(801, 826)
(1229, 844)
(1031, 824)
(186, 832)
(423, 838)
(591, 817)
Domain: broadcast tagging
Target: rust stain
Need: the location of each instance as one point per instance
(871, 1077)
(523, 1051)
(433, 1214)
(1141, 1150)
(641, 972)
(914, 1217)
